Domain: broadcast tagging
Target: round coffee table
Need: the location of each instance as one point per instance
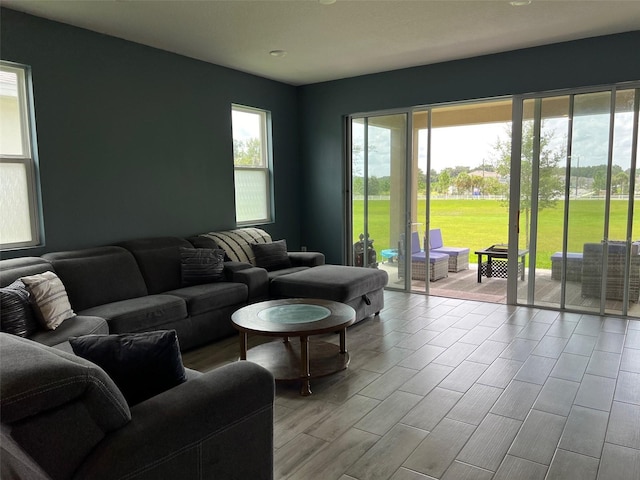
(296, 317)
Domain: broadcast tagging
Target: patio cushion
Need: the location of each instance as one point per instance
(570, 256)
(435, 238)
(433, 257)
(451, 251)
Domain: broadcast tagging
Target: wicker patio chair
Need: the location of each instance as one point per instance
(438, 262)
(458, 256)
(616, 258)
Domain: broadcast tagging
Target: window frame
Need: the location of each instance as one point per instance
(29, 157)
(266, 166)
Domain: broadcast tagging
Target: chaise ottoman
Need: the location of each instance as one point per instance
(360, 288)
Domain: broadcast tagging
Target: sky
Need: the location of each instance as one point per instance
(470, 145)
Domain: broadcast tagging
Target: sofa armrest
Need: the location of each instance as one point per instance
(256, 279)
(218, 425)
(306, 259)
(230, 267)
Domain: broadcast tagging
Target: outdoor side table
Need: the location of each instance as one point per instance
(496, 264)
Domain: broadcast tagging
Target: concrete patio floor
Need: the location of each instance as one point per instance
(464, 285)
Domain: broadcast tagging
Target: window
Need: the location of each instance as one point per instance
(252, 164)
(19, 208)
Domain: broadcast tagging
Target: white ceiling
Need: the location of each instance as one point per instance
(345, 39)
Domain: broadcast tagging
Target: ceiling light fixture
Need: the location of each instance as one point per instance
(326, 2)
(278, 53)
(520, 3)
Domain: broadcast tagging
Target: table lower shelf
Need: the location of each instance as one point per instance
(283, 360)
(498, 269)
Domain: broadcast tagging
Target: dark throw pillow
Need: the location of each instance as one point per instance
(142, 365)
(271, 256)
(201, 265)
(16, 314)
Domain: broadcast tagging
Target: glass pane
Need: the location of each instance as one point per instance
(247, 138)
(15, 225)
(357, 187)
(589, 160)
(619, 209)
(251, 195)
(545, 250)
(11, 140)
(469, 204)
(379, 164)
(387, 160)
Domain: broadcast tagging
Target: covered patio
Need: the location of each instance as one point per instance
(464, 285)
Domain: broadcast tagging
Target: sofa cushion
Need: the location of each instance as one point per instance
(271, 256)
(50, 302)
(211, 296)
(140, 314)
(142, 365)
(237, 243)
(16, 314)
(71, 327)
(285, 271)
(201, 265)
(95, 276)
(159, 261)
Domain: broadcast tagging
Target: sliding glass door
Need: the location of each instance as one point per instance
(579, 201)
(378, 172)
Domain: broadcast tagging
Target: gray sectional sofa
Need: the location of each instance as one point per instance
(64, 418)
(136, 286)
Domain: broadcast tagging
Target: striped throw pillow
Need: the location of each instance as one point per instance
(201, 265)
(51, 303)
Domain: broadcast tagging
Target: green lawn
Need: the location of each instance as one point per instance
(478, 224)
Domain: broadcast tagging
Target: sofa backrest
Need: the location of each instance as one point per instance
(159, 261)
(96, 276)
(56, 406)
(237, 243)
(14, 268)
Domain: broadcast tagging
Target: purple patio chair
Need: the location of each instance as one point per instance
(458, 256)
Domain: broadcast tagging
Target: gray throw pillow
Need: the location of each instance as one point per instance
(201, 265)
(142, 365)
(16, 314)
(271, 256)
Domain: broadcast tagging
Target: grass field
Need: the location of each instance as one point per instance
(478, 224)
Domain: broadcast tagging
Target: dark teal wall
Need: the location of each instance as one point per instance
(594, 61)
(136, 142)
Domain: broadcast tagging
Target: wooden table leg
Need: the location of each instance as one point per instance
(243, 345)
(343, 340)
(304, 366)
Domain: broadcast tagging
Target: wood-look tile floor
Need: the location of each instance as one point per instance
(451, 389)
